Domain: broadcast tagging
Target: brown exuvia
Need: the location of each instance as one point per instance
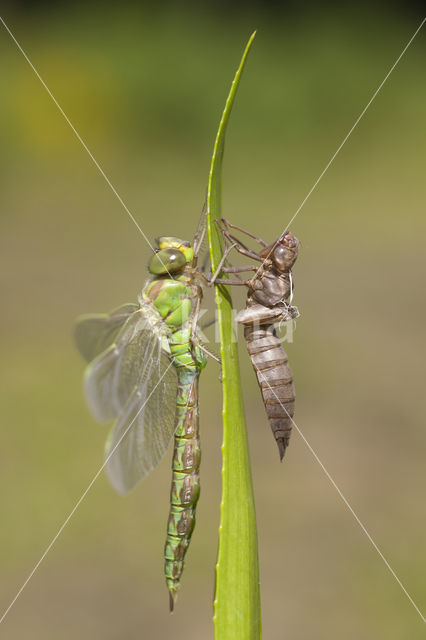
(267, 303)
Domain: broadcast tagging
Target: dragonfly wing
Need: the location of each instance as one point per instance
(143, 431)
(99, 386)
(135, 382)
(95, 332)
(200, 235)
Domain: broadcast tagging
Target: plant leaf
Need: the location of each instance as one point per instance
(237, 595)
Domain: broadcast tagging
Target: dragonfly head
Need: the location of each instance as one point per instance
(283, 252)
(172, 255)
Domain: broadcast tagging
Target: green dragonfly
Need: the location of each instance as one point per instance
(144, 364)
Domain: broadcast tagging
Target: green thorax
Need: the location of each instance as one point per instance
(174, 299)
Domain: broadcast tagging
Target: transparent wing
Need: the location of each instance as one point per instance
(142, 434)
(200, 244)
(200, 235)
(94, 333)
(135, 382)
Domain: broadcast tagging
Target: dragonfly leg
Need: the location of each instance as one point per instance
(209, 353)
(244, 283)
(247, 252)
(209, 282)
(227, 235)
(228, 249)
(247, 233)
(202, 278)
(239, 269)
(239, 245)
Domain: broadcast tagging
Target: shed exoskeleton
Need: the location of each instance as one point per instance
(268, 302)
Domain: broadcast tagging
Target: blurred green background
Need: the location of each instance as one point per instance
(144, 86)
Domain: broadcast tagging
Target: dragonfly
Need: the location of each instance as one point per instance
(144, 362)
(269, 297)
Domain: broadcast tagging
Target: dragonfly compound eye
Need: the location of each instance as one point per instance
(166, 261)
(283, 258)
(285, 253)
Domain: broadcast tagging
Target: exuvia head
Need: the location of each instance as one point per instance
(283, 253)
(172, 255)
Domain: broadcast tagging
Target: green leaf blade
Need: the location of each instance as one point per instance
(237, 594)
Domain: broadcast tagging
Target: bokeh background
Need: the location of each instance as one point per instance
(145, 85)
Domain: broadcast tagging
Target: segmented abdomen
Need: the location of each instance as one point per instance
(185, 488)
(275, 379)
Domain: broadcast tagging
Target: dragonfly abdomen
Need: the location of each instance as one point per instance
(185, 488)
(275, 379)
